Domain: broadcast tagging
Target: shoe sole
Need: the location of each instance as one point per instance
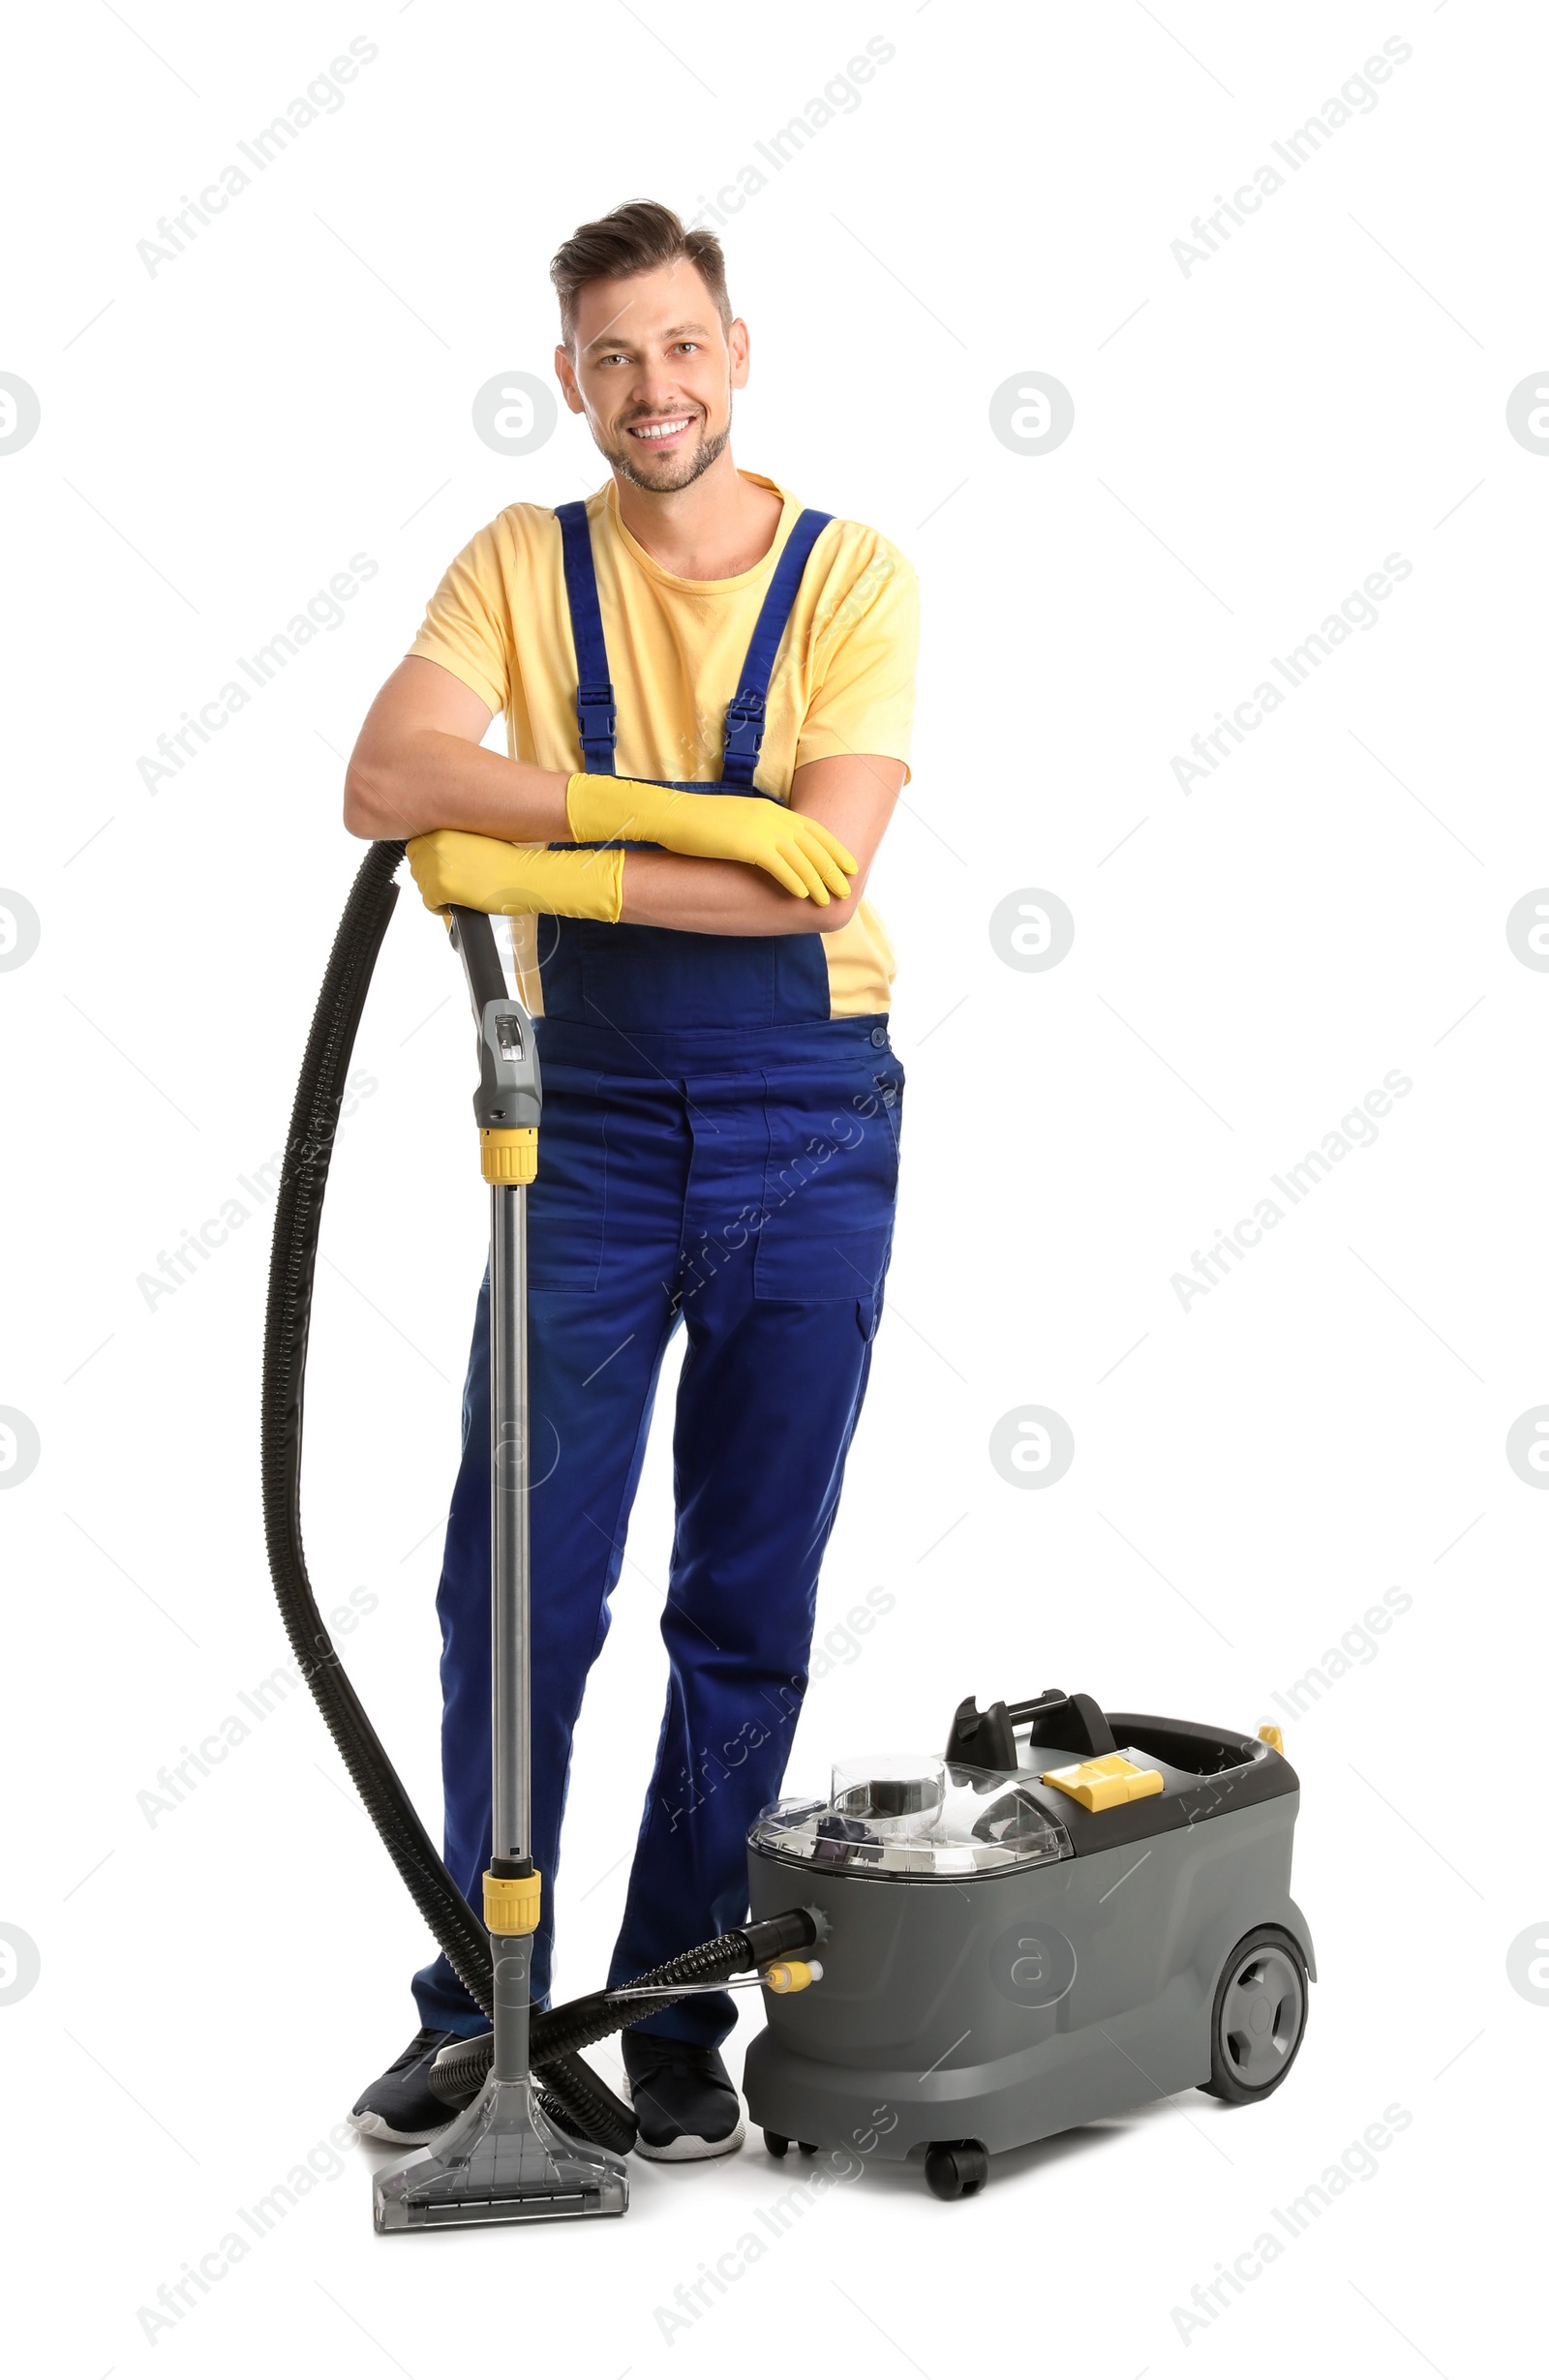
(371, 2126)
(689, 2147)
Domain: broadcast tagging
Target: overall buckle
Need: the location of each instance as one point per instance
(745, 727)
(597, 712)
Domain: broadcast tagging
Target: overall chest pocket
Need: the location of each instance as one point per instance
(650, 979)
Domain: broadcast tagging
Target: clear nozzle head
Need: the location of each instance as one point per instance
(503, 2160)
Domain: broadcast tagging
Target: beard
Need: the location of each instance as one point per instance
(634, 462)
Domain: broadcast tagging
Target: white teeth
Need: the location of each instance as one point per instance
(658, 429)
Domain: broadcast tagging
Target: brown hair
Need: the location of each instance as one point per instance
(636, 238)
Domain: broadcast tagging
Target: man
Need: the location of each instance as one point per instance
(708, 693)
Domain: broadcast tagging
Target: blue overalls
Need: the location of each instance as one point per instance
(716, 1151)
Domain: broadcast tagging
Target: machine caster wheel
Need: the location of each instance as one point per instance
(956, 2168)
(808, 2148)
(1259, 2017)
(775, 2143)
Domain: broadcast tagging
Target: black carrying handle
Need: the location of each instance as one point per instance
(1060, 1721)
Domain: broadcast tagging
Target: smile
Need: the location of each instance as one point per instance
(655, 430)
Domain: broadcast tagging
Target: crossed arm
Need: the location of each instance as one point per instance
(419, 765)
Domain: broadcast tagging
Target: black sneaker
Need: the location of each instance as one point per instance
(399, 2106)
(685, 2100)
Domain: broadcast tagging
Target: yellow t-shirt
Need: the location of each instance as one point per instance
(843, 681)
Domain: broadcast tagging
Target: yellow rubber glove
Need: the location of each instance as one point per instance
(802, 856)
(515, 880)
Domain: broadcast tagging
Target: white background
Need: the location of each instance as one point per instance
(1251, 957)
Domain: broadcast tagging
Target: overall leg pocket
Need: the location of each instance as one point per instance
(566, 1205)
(831, 1183)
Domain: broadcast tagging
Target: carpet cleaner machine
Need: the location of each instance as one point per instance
(1067, 1913)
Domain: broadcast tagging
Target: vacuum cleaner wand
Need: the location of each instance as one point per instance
(504, 2159)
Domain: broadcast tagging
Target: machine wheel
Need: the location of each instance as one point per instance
(808, 2148)
(956, 2168)
(1258, 2018)
(775, 2143)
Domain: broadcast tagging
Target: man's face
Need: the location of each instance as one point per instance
(653, 372)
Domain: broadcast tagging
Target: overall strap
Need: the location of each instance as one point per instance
(594, 707)
(745, 713)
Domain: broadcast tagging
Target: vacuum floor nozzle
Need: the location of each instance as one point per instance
(501, 2161)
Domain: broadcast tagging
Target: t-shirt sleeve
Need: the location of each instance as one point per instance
(864, 666)
(467, 623)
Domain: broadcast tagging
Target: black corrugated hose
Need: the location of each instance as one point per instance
(558, 2034)
(577, 2097)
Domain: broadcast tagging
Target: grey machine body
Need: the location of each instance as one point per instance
(1002, 2007)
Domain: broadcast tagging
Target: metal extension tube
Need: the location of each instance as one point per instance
(504, 2159)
